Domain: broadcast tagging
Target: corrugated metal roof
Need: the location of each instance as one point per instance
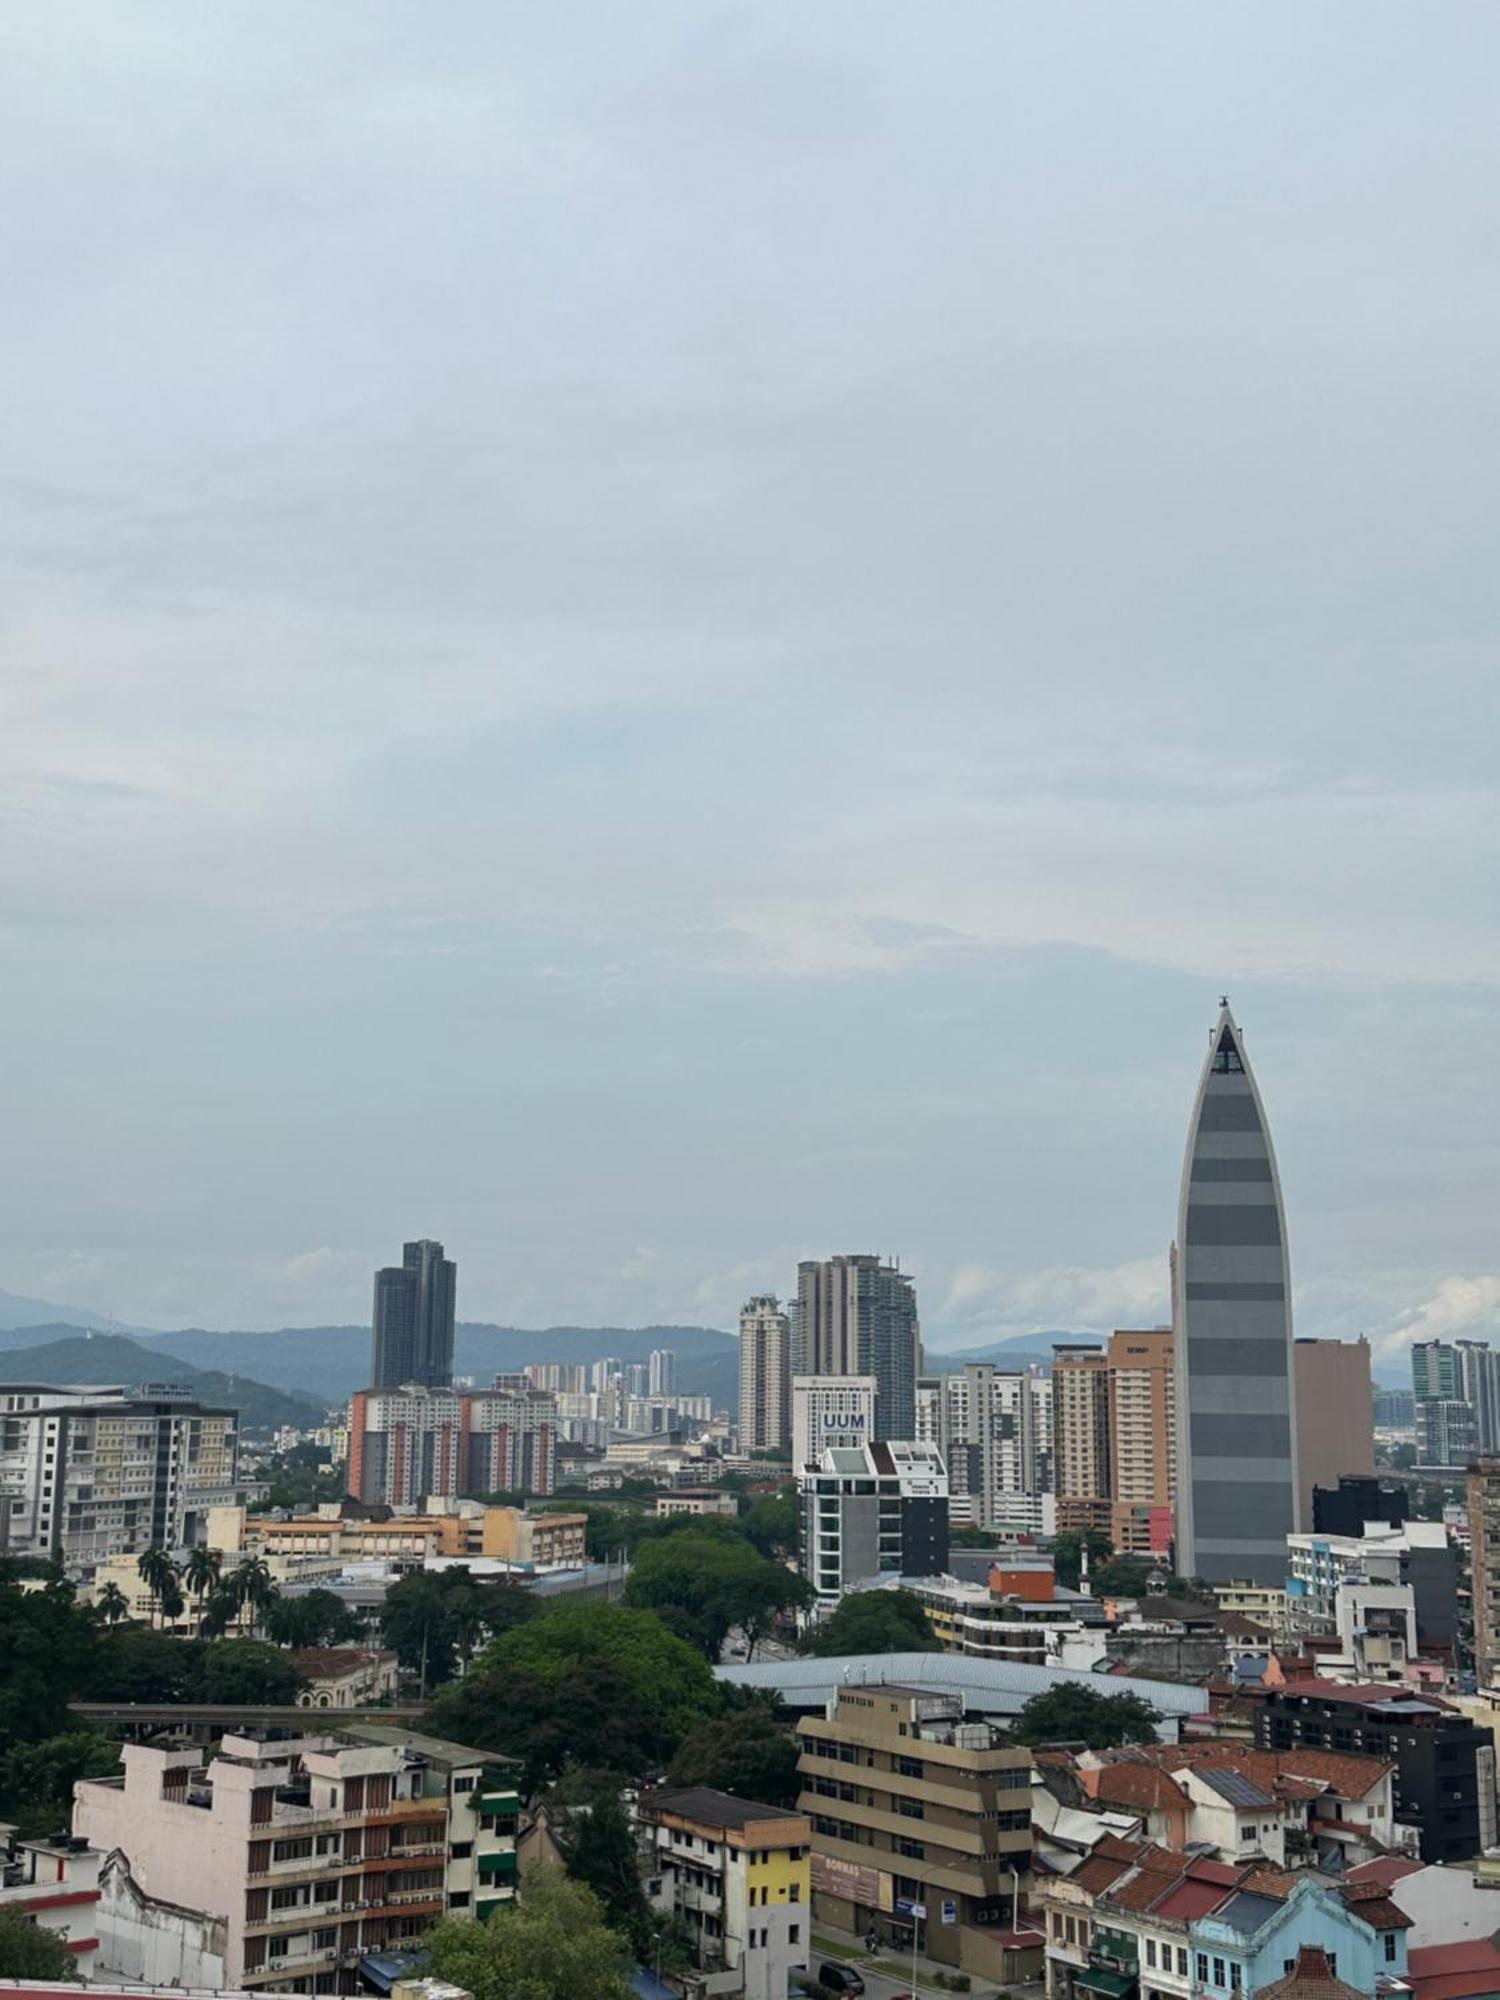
(995, 1687)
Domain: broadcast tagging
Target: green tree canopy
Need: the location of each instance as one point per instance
(746, 1751)
(601, 1684)
(47, 1641)
(133, 1663)
(770, 1523)
(247, 1670)
(29, 1952)
(1067, 1553)
(873, 1621)
(1073, 1713)
(600, 1850)
(37, 1779)
(552, 1945)
(321, 1618)
(718, 1579)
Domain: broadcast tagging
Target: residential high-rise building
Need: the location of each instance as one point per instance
(1142, 1439)
(1447, 1431)
(1237, 1497)
(1484, 1559)
(765, 1375)
(90, 1473)
(871, 1510)
(858, 1316)
(413, 1322)
(1116, 1415)
(1080, 1415)
(661, 1372)
(1335, 1414)
(993, 1429)
(1457, 1371)
(829, 1411)
(413, 1443)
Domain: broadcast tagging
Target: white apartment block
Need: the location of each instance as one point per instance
(303, 1856)
(993, 1429)
(87, 1473)
(830, 1412)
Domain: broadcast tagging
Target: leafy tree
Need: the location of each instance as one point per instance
(246, 1670)
(612, 1532)
(321, 1618)
(29, 1952)
(136, 1663)
(599, 1848)
(592, 1716)
(37, 1779)
(746, 1751)
(112, 1604)
(873, 1621)
(770, 1524)
(1067, 1553)
(1073, 1713)
(718, 1579)
(553, 1945)
(678, 1688)
(1124, 1576)
(595, 1684)
(419, 1624)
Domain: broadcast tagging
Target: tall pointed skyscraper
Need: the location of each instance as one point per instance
(1236, 1433)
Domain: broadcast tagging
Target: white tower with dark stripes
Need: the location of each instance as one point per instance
(1236, 1421)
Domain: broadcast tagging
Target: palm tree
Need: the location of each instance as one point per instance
(158, 1572)
(202, 1573)
(112, 1604)
(218, 1614)
(249, 1582)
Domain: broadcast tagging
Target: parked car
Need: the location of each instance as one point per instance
(839, 1978)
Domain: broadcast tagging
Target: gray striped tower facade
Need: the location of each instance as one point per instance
(1236, 1423)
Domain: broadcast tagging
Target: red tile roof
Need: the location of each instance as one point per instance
(1454, 1971)
(1312, 1978)
(1387, 1869)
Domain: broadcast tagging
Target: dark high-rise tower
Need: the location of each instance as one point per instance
(858, 1316)
(1236, 1425)
(413, 1324)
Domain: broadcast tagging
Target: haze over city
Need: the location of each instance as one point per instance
(656, 642)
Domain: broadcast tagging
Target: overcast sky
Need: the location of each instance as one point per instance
(660, 638)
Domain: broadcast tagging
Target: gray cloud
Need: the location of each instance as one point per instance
(712, 630)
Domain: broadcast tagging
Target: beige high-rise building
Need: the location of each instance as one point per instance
(1114, 1411)
(765, 1375)
(1142, 1439)
(1484, 1557)
(1335, 1415)
(1080, 1422)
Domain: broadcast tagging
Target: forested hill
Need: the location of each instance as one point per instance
(75, 1355)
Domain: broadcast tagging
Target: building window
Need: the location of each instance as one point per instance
(1182, 1961)
(1390, 1947)
(1218, 1972)
(794, 1934)
(459, 1900)
(1202, 1972)
(1151, 1953)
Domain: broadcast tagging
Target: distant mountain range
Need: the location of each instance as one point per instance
(70, 1354)
(325, 1364)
